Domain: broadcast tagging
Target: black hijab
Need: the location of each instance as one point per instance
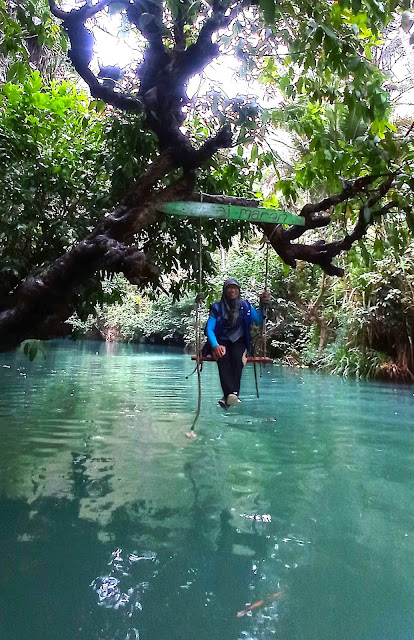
(230, 308)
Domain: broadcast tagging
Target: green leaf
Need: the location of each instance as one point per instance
(238, 160)
(356, 6)
(12, 92)
(285, 267)
(98, 105)
(255, 152)
(391, 127)
(31, 348)
(407, 20)
(367, 215)
(268, 8)
(410, 220)
(378, 246)
(329, 32)
(32, 352)
(17, 72)
(265, 116)
(365, 254)
(353, 62)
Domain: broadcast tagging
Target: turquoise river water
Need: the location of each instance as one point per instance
(115, 526)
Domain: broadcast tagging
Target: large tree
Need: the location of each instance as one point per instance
(317, 54)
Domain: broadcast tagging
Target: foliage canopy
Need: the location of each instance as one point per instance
(315, 59)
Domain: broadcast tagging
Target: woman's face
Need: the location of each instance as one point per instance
(232, 292)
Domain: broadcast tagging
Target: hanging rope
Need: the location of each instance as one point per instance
(265, 306)
(198, 346)
(264, 329)
(255, 380)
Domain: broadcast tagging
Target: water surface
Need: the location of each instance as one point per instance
(115, 526)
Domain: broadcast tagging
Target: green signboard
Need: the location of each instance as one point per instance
(230, 212)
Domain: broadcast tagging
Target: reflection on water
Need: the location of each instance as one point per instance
(116, 526)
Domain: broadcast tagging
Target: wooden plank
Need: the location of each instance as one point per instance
(257, 359)
(231, 212)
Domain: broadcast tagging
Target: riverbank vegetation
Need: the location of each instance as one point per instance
(360, 325)
(84, 168)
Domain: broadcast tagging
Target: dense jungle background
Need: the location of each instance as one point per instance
(68, 157)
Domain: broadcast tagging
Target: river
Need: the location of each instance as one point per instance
(115, 526)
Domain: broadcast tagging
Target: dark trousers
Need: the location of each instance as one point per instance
(230, 366)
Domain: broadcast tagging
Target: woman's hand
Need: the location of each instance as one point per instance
(265, 298)
(218, 352)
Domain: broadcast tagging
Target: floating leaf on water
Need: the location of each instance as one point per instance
(135, 557)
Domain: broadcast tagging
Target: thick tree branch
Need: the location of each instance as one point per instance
(163, 73)
(81, 53)
(85, 12)
(179, 34)
(46, 301)
(50, 293)
(367, 214)
(351, 188)
(320, 252)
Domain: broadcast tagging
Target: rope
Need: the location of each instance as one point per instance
(265, 307)
(199, 361)
(255, 380)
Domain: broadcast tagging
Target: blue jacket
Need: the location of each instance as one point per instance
(214, 327)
